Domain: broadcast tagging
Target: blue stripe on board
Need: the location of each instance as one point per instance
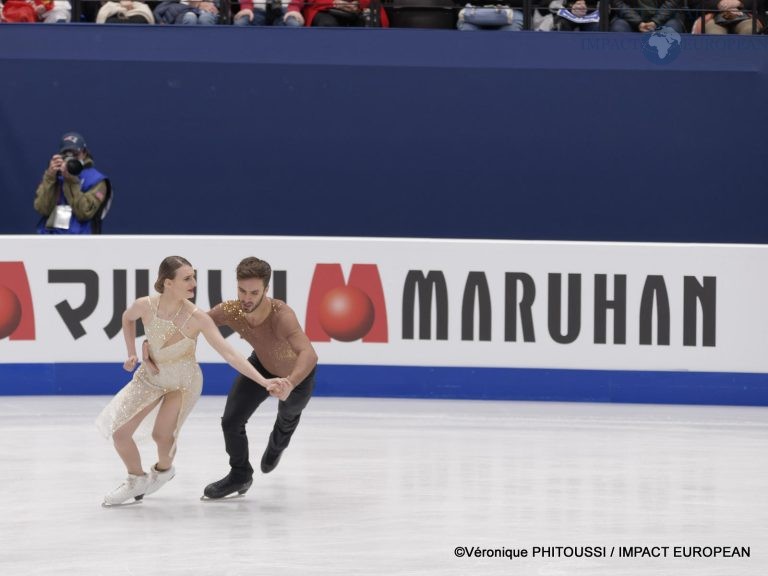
(424, 382)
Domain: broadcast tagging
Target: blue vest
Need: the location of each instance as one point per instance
(89, 177)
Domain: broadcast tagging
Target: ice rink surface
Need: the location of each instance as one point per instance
(397, 487)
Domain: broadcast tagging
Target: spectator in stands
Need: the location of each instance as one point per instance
(727, 17)
(125, 12)
(48, 11)
(202, 13)
(61, 12)
(646, 15)
(339, 13)
(263, 13)
(691, 12)
(577, 16)
(73, 196)
(544, 15)
(188, 12)
(506, 16)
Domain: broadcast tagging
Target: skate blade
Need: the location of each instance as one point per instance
(205, 498)
(138, 500)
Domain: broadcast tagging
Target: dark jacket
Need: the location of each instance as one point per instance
(637, 11)
(89, 195)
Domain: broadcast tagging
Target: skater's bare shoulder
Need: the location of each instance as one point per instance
(227, 312)
(284, 319)
(140, 308)
(199, 321)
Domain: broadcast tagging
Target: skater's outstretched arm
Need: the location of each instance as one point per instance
(205, 325)
(135, 311)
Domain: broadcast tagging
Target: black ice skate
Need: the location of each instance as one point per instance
(270, 459)
(226, 487)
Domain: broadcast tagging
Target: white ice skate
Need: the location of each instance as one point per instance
(133, 487)
(158, 479)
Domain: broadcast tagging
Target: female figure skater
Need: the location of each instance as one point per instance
(172, 325)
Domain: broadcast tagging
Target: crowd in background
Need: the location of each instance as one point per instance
(695, 16)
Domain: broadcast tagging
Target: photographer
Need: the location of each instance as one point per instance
(73, 197)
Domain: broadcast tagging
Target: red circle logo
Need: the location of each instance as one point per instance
(346, 313)
(10, 312)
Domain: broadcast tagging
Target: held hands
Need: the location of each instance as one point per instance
(209, 7)
(647, 26)
(280, 388)
(130, 364)
(732, 13)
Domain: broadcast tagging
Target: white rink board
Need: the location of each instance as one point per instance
(739, 271)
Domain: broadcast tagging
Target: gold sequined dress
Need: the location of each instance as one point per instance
(174, 354)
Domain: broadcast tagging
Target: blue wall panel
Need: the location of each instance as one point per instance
(416, 133)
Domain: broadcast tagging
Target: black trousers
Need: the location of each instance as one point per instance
(244, 398)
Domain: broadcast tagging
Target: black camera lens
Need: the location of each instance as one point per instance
(74, 166)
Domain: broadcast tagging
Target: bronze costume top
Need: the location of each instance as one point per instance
(270, 339)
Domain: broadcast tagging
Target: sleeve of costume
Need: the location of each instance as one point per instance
(45, 196)
(84, 204)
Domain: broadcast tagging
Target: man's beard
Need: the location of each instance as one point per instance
(246, 310)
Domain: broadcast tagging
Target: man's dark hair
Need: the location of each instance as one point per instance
(252, 267)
